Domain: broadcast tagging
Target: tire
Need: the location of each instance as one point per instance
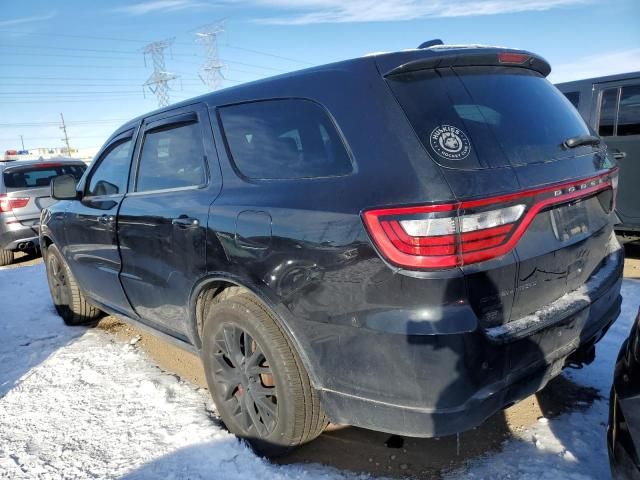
(262, 393)
(67, 297)
(6, 257)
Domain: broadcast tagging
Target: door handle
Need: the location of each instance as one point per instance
(185, 222)
(106, 219)
(619, 155)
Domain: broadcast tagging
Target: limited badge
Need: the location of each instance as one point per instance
(450, 142)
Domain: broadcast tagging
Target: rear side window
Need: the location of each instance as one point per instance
(39, 176)
(284, 139)
(573, 97)
(620, 111)
(608, 112)
(111, 175)
(629, 112)
(487, 117)
(172, 158)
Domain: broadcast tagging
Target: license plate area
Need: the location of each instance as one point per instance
(570, 220)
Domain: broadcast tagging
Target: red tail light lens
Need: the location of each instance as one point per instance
(7, 204)
(455, 234)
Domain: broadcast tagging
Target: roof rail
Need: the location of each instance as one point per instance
(431, 43)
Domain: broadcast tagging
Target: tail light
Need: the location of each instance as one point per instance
(7, 204)
(455, 234)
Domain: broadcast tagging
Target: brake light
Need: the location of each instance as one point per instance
(509, 57)
(49, 165)
(7, 204)
(455, 234)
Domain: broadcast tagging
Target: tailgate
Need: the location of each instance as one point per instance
(499, 135)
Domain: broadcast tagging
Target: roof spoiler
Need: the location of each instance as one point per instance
(481, 57)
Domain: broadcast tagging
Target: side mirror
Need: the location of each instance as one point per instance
(64, 188)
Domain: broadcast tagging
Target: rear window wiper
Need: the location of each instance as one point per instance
(581, 140)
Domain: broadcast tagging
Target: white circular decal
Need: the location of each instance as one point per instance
(450, 142)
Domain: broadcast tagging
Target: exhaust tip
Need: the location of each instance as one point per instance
(25, 245)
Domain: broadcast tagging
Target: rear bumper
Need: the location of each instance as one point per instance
(14, 235)
(436, 385)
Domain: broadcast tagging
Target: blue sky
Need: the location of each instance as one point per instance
(85, 59)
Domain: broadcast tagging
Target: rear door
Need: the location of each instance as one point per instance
(29, 184)
(618, 122)
(90, 225)
(162, 222)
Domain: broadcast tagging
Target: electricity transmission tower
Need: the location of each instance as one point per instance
(211, 71)
(158, 82)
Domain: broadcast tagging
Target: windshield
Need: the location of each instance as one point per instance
(488, 117)
(38, 176)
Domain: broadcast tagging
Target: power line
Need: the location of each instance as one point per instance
(5, 139)
(113, 39)
(35, 77)
(56, 92)
(72, 122)
(39, 65)
(85, 101)
(76, 85)
(273, 55)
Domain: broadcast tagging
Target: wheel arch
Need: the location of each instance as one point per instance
(209, 288)
(46, 241)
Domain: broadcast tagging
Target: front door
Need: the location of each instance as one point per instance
(93, 254)
(162, 222)
(619, 125)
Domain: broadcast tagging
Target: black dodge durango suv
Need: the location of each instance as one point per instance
(406, 242)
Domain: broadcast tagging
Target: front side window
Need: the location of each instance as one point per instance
(629, 111)
(172, 157)
(284, 139)
(112, 173)
(608, 110)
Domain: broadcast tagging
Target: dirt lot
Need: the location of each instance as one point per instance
(377, 453)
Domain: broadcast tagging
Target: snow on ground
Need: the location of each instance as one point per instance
(76, 403)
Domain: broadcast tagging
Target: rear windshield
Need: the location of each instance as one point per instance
(488, 117)
(37, 176)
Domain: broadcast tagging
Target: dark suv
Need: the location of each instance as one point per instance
(405, 242)
(24, 192)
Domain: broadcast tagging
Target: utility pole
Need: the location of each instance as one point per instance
(158, 82)
(211, 70)
(22, 141)
(66, 137)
